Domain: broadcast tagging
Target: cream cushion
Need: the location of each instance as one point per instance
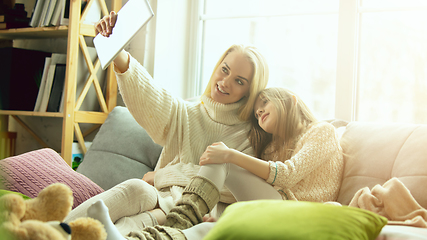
(377, 152)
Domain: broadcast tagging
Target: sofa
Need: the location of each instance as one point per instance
(374, 153)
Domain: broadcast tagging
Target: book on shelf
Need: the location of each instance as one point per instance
(49, 89)
(42, 84)
(1, 18)
(57, 58)
(49, 13)
(57, 88)
(21, 71)
(65, 13)
(43, 13)
(56, 13)
(37, 11)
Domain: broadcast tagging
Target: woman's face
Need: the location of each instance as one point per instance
(232, 79)
(266, 114)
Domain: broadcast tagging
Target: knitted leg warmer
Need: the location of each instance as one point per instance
(156, 233)
(100, 212)
(198, 199)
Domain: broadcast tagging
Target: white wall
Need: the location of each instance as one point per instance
(162, 48)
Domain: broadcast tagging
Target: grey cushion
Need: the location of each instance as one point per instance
(121, 150)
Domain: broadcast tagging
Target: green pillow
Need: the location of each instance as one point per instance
(277, 219)
(4, 192)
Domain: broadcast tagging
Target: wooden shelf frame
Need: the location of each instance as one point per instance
(72, 117)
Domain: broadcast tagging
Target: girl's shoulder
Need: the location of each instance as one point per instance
(320, 125)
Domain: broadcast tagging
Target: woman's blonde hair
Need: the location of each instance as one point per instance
(259, 80)
(293, 118)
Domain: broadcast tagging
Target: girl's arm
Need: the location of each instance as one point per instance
(320, 145)
(220, 153)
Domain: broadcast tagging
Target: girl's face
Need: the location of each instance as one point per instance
(232, 79)
(266, 114)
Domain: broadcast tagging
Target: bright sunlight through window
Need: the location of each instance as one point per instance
(300, 39)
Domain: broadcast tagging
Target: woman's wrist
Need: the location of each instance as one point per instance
(121, 62)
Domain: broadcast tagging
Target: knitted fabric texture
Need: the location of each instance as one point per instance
(198, 199)
(184, 129)
(314, 172)
(31, 172)
(157, 233)
(204, 188)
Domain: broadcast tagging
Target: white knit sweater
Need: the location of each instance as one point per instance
(184, 129)
(314, 172)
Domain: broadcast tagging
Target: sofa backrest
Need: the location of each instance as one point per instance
(377, 152)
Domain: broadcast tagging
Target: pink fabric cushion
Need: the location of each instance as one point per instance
(377, 152)
(31, 172)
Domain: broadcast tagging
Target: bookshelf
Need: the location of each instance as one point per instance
(72, 116)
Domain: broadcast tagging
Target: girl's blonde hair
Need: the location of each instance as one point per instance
(259, 80)
(293, 118)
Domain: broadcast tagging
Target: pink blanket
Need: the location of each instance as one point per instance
(393, 201)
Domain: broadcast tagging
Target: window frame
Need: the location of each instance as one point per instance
(348, 45)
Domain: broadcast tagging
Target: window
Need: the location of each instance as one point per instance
(392, 71)
(360, 60)
(299, 43)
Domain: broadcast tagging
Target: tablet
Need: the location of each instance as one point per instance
(131, 18)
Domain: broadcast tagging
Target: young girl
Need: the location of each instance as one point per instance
(303, 158)
(303, 161)
(183, 129)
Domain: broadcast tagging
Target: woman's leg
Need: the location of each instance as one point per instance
(99, 211)
(129, 198)
(246, 186)
(198, 198)
(243, 184)
(202, 194)
(140, 221)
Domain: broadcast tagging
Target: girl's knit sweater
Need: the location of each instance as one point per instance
(314, 172)
(184, 129)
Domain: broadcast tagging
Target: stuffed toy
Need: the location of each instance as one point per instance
(41, 218)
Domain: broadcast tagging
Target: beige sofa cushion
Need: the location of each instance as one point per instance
(376, 152)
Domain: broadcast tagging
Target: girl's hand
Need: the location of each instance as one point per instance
(106, 24)
(216, 153)
(149, 177)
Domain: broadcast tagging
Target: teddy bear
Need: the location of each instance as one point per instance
(41, 218)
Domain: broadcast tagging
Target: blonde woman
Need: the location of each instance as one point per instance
(183, 129)
(303, 161)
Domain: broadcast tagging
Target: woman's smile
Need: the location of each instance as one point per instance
(221, 90)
